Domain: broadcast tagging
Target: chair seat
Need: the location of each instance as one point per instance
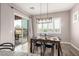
(49, 46)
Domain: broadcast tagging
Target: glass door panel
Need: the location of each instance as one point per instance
(25, 25)
(24, 40)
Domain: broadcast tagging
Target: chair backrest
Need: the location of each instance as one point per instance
(7, 46)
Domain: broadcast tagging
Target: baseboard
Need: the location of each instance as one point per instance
(65, 43)
(74, 46)
(71, 45)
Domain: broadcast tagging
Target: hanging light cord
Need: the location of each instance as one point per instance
(40, 10)
(47, 10)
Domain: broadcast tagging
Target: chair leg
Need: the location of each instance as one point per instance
(36, 49)
(41, 51)
(33, 49)
(56, 46)
(52, 51)
(44, 49)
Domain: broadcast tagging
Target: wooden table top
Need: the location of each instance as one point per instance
(48, 39)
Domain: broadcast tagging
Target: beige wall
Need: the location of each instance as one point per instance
(75, 27)
(0, 21)
(7, 24)
(65, 28)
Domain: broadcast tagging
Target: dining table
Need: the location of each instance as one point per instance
(54, 40)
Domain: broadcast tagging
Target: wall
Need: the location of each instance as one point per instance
(0, 21)
(7, 24)
(65, 28)
(75, 27)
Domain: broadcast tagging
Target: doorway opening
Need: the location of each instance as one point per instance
(21, 33)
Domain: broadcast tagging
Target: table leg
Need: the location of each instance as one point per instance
(59, 49)
(31, 45)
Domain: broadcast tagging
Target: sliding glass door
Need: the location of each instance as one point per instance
(24, 24)
(24, 40)
(21, 34)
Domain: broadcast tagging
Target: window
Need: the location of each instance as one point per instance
(57, 25)
(17, 23)
(52, 25)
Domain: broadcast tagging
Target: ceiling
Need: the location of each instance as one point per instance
(34, 8)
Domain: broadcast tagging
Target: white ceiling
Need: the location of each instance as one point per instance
(52, 7)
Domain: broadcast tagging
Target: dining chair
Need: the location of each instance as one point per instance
(7, 45)
(37, 44)
(48, 44)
